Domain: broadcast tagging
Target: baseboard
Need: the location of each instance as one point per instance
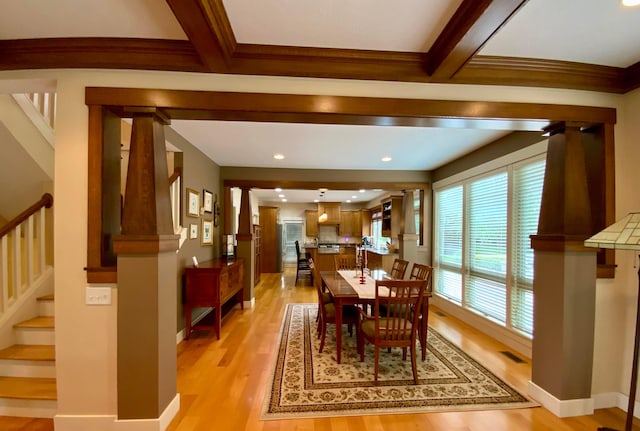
(615, 399)
(111, 422)
(250, 304)
(561, 408)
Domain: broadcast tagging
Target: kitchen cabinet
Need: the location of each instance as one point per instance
(381, 260)
(365, 221)
(268, 239)
(391, 216)
(350, 224)
(311, 224)
(332, 209)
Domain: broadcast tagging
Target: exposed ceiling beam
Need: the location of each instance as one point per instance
(472, 25)
(207, 26)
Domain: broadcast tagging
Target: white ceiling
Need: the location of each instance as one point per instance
(590, 31)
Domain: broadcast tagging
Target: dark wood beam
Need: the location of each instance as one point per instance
(102, 53)
(323, 109)
(207, 26)
(472, 25)
(632, 77)
(177, 55)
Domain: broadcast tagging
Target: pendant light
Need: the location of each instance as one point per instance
(323, 217)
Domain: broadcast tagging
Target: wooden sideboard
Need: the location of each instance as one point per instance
(212, 284)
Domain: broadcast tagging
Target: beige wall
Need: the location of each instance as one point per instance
(86, 335)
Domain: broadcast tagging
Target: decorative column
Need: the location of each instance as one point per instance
(246, 247)
(147, 274)
(408, 237)
(564, 280)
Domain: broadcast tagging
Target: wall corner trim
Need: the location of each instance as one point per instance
(560, 408)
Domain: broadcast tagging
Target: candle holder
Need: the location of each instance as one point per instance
(362, 280)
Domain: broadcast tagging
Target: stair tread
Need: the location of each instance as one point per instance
(37, 322)
(29, 352)
(30, 388)
(46, 298)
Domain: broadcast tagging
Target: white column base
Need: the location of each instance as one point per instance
(111, 422)
(561, 408)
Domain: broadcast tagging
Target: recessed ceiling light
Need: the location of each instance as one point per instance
(348, 201)
(316, 200)
(280, 196)
(284, 200)
(354, 197)
(386, 159)
(323, 190)
(278, 156)
(631, 3)
(278, 189)
(362, 190)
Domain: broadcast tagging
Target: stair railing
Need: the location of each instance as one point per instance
(24, 242)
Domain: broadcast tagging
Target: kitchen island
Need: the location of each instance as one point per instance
(380, 259)
(323, 257)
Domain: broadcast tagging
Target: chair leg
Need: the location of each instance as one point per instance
(376, 356)
(413, 363)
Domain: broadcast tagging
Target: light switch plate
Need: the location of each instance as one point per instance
(98, 295)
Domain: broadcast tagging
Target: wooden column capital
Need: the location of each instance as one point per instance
(145, 244)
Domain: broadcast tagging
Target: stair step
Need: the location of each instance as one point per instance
(28, 388)
(46, 305)
(40, 322)
(24, 352)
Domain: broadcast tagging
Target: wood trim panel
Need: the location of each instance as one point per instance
(471, 26)
(206, 24)
(632, 77)
(182, 104)
(102, 53)
(532, 72)
(94, 189)
(313, 185)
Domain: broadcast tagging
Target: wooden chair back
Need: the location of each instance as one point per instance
(422, 272)
(344, 261)
(396, 326)
(398, 269)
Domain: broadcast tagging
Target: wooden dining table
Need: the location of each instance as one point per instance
(343, 293)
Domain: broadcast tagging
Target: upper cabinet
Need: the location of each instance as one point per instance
(365, 222)
(311, 223)
(350, 224)
(391, 216)
(332, 211)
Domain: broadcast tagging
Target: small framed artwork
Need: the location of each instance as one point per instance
(193, 231)
(193, 203)
(207, 201)
(207, 232)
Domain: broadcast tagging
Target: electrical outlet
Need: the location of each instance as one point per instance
(98, 295)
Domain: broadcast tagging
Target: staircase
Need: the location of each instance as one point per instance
(27, 369)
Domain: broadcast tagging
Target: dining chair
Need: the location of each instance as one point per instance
(327, 310)
(397, 327)
(423, 272)
(344, 261)
(302, 264)
(398, 269)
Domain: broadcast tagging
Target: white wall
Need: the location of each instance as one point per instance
(86, 336)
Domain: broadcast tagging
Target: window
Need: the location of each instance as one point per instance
(483, 260)
(376, 229)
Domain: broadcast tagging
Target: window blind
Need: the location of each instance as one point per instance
(449, 242)
(485, 288)
(527, 184)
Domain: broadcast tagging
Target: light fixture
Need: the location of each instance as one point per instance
(361, 190)
(323, 217)
(278, 156)
(278, 189)
(284, 200)
(348, 201)
(280, 195)
(630, 3)
(386, 159)
(624, 235)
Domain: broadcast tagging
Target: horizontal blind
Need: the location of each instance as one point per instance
(449, 214)
(485, 288)
(527, 183)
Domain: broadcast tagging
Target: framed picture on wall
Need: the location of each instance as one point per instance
(207, 232)
(193, 231)
(193, 203)
(207, 201)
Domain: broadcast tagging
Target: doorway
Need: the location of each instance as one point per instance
(291, 232)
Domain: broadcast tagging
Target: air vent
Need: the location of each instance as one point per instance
(440, 313)
(513, 357)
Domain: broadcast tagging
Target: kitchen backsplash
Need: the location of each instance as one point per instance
(327, 233)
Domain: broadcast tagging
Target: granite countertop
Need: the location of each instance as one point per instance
(381, 251)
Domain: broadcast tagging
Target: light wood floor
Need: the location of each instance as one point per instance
(222, 382)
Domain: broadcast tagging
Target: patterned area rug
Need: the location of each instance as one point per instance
(306, 383)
